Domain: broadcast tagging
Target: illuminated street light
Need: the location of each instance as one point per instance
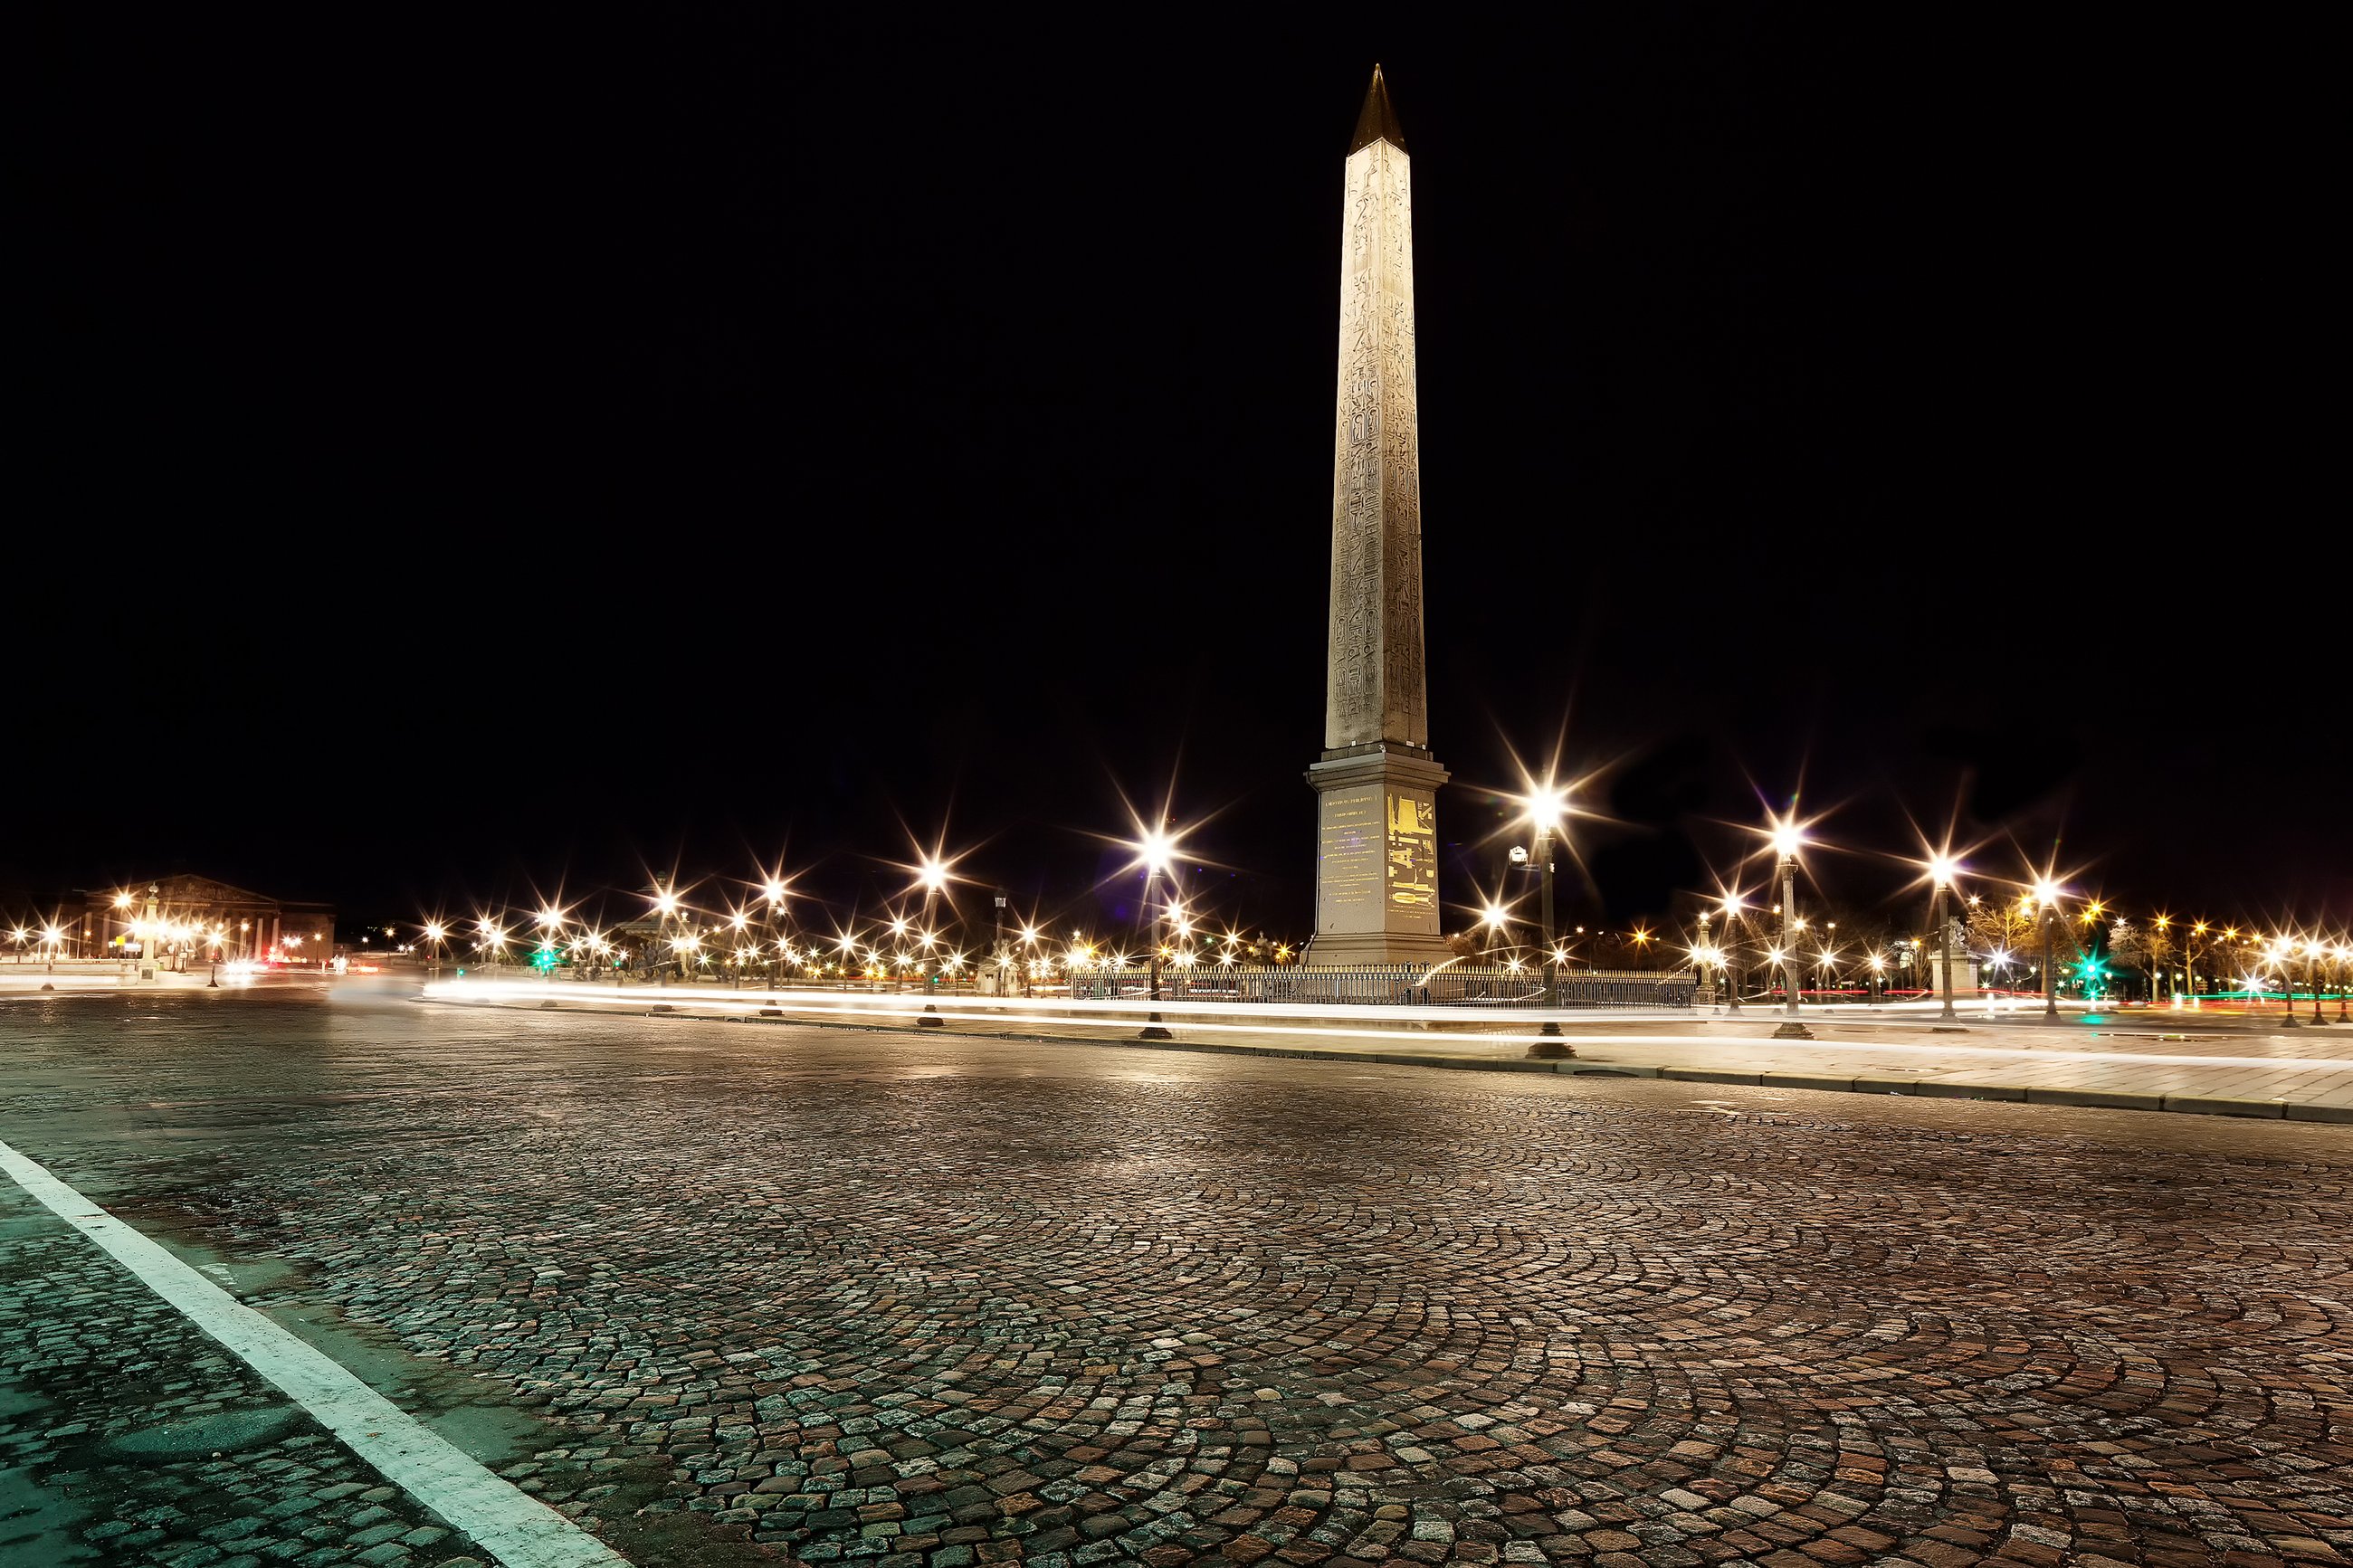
(1942, 869)
(1155, 850)
(2045, 897)
(1547, 808)
(1787, 839)
(1735, 935)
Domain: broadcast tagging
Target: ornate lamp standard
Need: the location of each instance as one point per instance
(1941, 870)
(1545, 808)
(1703, 953)
(2283, 953)
(2312, 969)
(1787, 839)
(2046, 899)
(778, 927)
(1155, 850)
(1733, 935)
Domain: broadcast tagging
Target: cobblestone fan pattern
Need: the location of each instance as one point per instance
(156, 1444)
(941, 1303)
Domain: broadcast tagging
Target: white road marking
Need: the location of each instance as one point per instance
(519, 1529)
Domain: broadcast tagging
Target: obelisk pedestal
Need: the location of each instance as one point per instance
(1376, 783)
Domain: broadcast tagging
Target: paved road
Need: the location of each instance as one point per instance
(728, 1291)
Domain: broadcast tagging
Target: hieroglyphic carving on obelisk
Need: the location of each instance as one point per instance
(1377, 825)
(1375, 688)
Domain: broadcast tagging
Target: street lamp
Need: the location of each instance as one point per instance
(2046, 898)
(1731, 976)
(1494, 918)
(1546, 806)
(2283, 953)
(1787, 839)
(1941, 871)
(1155, 850)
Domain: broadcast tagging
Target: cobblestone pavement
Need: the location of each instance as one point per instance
(941, 1302)
(105, 1391)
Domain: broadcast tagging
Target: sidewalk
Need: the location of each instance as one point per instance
(2150, 1061)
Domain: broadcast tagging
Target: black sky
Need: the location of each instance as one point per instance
(462, 456)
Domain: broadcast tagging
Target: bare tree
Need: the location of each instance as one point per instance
(2013, 930)
(2140, 947)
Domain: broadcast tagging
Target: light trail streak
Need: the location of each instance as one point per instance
(905, 1009)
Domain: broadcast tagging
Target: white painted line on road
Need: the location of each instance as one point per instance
(518, 1529)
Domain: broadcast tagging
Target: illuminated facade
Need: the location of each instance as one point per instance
(176, 919)
(1376, 783)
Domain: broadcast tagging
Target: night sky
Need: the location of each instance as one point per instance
(464, 459)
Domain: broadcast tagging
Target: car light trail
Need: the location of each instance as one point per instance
(1268, 1019)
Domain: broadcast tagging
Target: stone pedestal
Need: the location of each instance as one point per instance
(1377, 856)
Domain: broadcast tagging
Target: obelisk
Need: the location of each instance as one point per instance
(1376, 784)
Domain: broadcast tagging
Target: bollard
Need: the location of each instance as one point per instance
(930, 1018)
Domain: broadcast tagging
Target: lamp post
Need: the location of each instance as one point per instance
(2312, 969)
(998, 945)
(1545, 807)
(1732, 935)
(781, 929)
(1940, 876)
(666, 914)
(1155, 849)
(1787, 839)
(1701, 951)
(2046, 898)
(2283, 953)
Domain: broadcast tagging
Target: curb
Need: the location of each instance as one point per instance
(1924, 1089)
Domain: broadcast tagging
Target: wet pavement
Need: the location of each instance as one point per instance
(750, 1291)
